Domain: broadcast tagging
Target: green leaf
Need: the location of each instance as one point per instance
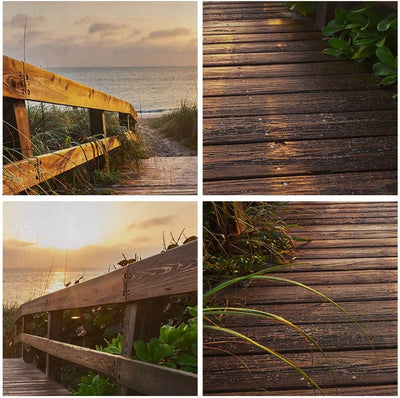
(354, 16)
(331, 51)
(382, 69)
(340, 16)
(103, 319)
(364, 52)
(331, 28)
(339, 44)
(141, 350)
(389, 80)
(387, 22)
(385, 55)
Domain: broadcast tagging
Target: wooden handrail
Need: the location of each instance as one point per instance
(139, 285)
(28, 82)
(143, 377)
(165, 274)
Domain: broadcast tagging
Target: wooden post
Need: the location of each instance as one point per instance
(142, 322)
(97, 120)
(124, 120)
(16, 124)
(54, 330)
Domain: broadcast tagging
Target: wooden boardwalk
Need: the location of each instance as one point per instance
(280, 117)
(159, 176)
(21, 378)
(352, 258)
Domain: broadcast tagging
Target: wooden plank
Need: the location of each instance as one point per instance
(218, 87)
(145, 377)
(298, 126)
(361, 183)
(253, 160)
(54, 332)
(97, 123)
(212, 29)
(265, 58)
(386, 389)
(22, 125)
(92, 359)
(160, 176)
(168, 273)
(21, 378)
(322, 313)
(331, 277)
(45, 86)
(344, 264)
(283, 339)
(238, 16)
(172, 272)
(272, 37)
(265, 373)
(156, 380)
(305, 69)
(25, 174)
(13, 78)
(276, 46)
(329, 101)
(295, 294)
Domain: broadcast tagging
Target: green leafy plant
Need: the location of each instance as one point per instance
(176, 347)
(367, 31)
(94, 384)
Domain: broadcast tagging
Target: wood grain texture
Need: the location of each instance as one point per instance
(24, 174)
(266, 80)
(160, 176)
(172, 272)
(300, 157)
(21, 378)
(352, 258)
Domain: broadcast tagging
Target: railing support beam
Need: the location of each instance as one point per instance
(54, 330)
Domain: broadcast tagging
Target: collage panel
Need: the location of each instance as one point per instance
(99, 298)
(100, 98)
(296, 110)
(300, 298)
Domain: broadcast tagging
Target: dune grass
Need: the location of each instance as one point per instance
(180, 124)
(9, 350)
(55, 127)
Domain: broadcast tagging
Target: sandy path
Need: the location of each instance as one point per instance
(158, 145)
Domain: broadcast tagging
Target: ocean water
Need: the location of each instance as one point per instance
(23, 284)
(150, 90)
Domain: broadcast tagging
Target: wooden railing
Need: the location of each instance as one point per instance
(22, 82)
(141, 286)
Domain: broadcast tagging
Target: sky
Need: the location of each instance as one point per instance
(90, 235)
(93, 34)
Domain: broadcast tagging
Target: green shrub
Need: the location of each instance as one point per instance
(369, 31)
(180, 124)
(94, 384)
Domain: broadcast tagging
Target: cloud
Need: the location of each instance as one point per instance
(157, 34)
(106, 27)
(18, 21)
(152, 222)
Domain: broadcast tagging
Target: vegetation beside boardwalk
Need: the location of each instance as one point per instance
(180, 124)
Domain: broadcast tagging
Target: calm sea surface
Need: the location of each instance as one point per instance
(24, 284)
(149, 89)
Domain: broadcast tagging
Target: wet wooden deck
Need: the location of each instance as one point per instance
(20, 378)
(353, 259)
(159, 176)
(280, 117)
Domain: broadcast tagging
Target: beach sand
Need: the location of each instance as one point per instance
(160, 146)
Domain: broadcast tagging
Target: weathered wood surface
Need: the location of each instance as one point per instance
(352, 258)
(21, 378)
(22, 175)
(147, 378)
(168, 273)
(24, 81)
(160, 176)
(289, 119)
